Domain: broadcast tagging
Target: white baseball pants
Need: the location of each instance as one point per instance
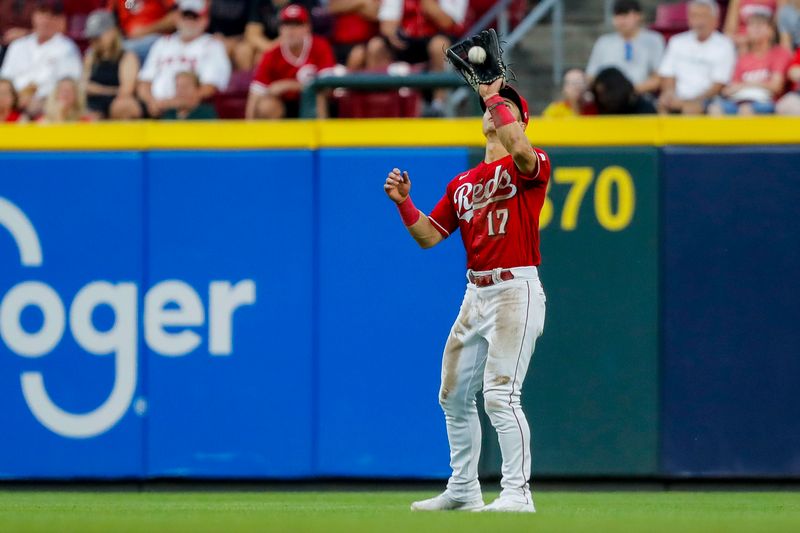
(490, 346)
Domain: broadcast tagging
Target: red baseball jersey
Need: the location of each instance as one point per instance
(280, 64)
(353, 28)
(133, 14)
(497, 208)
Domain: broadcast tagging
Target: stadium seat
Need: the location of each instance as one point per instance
(671, 19)
(476, 9)
(403, 103)
(77, 12)
(231, 103)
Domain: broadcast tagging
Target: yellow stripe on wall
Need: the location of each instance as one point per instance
(595, 131)
(159, 135)
(305, 134)
(400, 132)
(730, 130)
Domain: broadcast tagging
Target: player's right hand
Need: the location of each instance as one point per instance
(397, 185)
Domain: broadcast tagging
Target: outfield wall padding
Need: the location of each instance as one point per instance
(264, 314)
(731, 304)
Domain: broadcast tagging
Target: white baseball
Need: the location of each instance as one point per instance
(476, 55)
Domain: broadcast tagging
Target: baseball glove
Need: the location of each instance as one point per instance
(476, 74)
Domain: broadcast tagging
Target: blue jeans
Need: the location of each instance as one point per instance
(141, 46)
(729, 107)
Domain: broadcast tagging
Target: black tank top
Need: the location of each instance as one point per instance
(106, 72)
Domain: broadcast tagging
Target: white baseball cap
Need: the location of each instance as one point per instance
(195, 6)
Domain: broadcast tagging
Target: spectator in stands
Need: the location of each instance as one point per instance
(575, 100)
(697, 63)
(8, 102)
(143, 22)
(266, 17)
(189, 49)
(738, 13)
(232, 22)
(418, 31)
(634, 50)
(284, 70)
(36, 62)
(354, 24)
(109, 72)
(758, 78)
(790, 103)
(66, 103)
(614, 94)
(191, 105)
(261, 30)
(15, 22)
(789, 24)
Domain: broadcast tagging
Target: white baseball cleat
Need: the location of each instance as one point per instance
(509, 505)
(443, 502)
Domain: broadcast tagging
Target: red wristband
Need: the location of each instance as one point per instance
(501, 115)
(408, 212)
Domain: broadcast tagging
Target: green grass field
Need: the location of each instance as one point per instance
(383, 512)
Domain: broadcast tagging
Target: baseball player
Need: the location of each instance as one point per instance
(496, 206)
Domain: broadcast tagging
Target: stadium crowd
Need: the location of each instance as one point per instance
(751, 67)
(89, 60)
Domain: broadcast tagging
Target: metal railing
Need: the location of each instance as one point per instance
(498, 12)
(608, 12)
(510, 38)
(532, 19)
(375, 82)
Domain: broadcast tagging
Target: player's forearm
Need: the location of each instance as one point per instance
(511, 135)
(424, 233)
(514, 140)
(418, 225)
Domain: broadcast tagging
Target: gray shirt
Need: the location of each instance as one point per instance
(638, 59)
(789, 22)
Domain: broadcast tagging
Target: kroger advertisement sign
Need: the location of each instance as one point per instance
(147, 324)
